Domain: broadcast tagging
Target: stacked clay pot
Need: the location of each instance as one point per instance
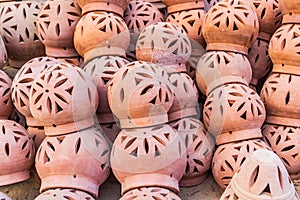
(279, 91)
(74, 155)
(233, 112)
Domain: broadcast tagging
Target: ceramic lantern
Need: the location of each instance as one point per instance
(231, 25)
(100, 34)
(63, 100)
(64, 194)
(179, 5)
(17, 153)
(290, 11)
(150, 193)
(144, 83)
(101, 69)
(141, 158)
(262, 176)
(234, 112)
(229, 158)
(3, 53)
(200, 149)
(56, 23)
(6, 105)
(216, 68)
(165, 44)
(21, 40)
(86, 150)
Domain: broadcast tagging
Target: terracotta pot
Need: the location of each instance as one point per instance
(230, 25)
(200, 148)
(180, 5)
(216, 68)
(185, 103)
(56, 23)
(284, 49)
(21, 40)
(191, 22)
(3, 53)
(281, 99)
(139, 95)
(165, 44)
(234, 112)
(87, 151)
(285, 142)
(111, 131)
(64, 194)
(260, 61)
(101, 34)
(261, 177)
(63, 100)
(290, 11)
(115, 6)
(150, 193)
(229, 158)
(210, 3)
(17, 153)
(101, 69)
(4, 196)
(141, 158)
(6, 105)
(140, 14)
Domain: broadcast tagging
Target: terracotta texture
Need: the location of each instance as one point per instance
(231, 25)
(3, 53)
(166, 44)
(180, 5)
(56, 23)
(234, 112)
(285, 142)
(290, 11)
(87, 151)
(284, 48)
(199, 149)
(101, 69)
(150, 193)
(216, 68)
(21, 40)
(110, 130)
(22, 84)
(77, 60)
(185, 103)
(281, 98)
(64, 194)
(100, 34)
(262, 177)
(6, 105)
(229, 158)
(141, 158)
(210, 3)
(17, 153)
(63, 100)
(115, 6)
(139, 95)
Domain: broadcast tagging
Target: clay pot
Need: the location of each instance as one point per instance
(101, 34)
(101, 69)
(139, 95)
(231, 25)
(210, 3)
(21, 40)
(115, 6)
(87, 151)
(284, 141)
(284, 48)
(56, 23)
(290, 11)
(261, 177)
(260, 60)
(185, 103)
(64, 194)
(3, 53)
(141, 158)
(190, 21)
(17, 153)
(180, 5)
(63, 100)
(150, 193)
(165, 44)
(281, 98)
(111, 131)
(216, 68)
(234, 112)
(229, 158)
(6, 105)
(4, 196)
(200, 148)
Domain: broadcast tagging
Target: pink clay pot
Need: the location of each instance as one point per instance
(180, 5)
(150, 193)
(64, 194)
(6, 105)
(290, 11)
(3, 53)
